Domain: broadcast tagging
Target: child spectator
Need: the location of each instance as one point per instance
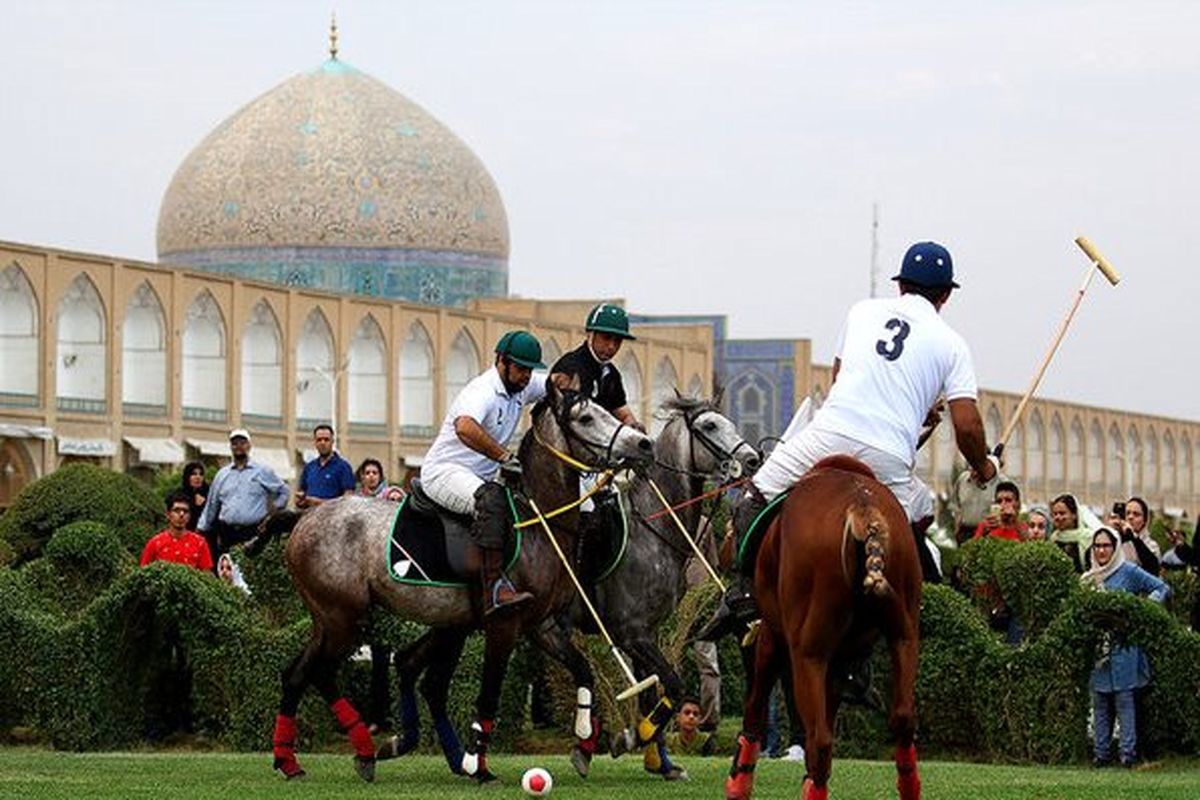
(1003, 520)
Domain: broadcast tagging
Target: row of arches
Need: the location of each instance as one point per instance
(81, 364)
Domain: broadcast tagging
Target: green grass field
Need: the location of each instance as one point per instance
(35, 773)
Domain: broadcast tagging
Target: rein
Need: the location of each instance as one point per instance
(697, 499)
(605, 479)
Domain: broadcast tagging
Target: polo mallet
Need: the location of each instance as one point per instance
(1097, 262)
(695, 547)
(635, 686)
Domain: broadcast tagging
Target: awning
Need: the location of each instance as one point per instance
(413, 462)
(25, 431)
(277, 459)
(156, 451)
(95, 448)
(208, 447)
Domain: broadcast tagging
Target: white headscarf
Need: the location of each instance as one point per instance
(1097, 574)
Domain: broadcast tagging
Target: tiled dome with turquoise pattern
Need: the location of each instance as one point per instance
(333, 180)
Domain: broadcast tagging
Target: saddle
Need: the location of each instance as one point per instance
(429, 544)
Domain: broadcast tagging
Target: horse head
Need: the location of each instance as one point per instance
(714, 446)
(588, 433)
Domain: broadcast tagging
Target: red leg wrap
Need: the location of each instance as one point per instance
(815, 792)
(352, 724)
(908, 781)
(588, 745)
(740, 782)
(284, 746)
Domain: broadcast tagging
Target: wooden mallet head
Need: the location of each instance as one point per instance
(1100, 261)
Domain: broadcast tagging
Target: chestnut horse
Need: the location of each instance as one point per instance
(837, 568)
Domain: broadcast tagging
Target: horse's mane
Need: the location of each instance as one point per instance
(686, 404)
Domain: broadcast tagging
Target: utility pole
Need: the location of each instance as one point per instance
(874, 248)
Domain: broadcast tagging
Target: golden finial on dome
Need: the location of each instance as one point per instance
(333, 49)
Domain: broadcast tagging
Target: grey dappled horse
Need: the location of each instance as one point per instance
(644, 589)
(337, 555)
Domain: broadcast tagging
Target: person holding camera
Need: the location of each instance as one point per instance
(1136, 541)
(1003, 520)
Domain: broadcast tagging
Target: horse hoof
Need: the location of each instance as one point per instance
(395, 747)
(622, 743)
(675, 774)
(581, 761)
(290, 770)
(486, 777)
(738, 788)
(365, 767)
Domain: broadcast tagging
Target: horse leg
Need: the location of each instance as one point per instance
(445, 652)
(296, 678)
(500, 636)
(410, 662)
(336, 644)
(760, 678)
(809, 681)
(555, 641)
(902, 719)
(647, 658)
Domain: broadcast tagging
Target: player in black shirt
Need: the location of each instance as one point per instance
(588, 369)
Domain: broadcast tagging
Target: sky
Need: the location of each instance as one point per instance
(703, 158)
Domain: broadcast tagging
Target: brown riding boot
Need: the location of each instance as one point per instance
(498, 591)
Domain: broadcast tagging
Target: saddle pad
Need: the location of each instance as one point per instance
(758, 527)
(430, 549)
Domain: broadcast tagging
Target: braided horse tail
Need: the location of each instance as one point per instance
(865, 523)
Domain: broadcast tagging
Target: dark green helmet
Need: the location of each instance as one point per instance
(521, 347)
(609, 318)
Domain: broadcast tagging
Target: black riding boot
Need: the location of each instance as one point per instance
(929, 568)
(737, 608)
(491, 523)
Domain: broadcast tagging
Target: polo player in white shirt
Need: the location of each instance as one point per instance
(472, 446)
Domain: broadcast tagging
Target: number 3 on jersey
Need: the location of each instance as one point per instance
(892, 350)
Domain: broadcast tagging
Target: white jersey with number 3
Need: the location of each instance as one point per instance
(898, 356)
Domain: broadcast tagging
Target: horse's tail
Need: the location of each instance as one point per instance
(277, 523)
(865, 523)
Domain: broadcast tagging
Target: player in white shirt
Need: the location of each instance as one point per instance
(895, 358)
(472, 447)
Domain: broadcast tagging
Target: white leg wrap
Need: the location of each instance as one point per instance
(470, 763)
(583, 712)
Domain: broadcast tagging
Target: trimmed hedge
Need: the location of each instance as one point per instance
(80, 492)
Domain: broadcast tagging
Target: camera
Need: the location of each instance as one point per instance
(1118, 509)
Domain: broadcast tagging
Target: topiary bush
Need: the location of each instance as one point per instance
(1034, 579)
(81, 560)
(80, 492)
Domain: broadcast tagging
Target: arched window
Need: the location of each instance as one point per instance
(1137, 457)
(262, 364)
(18, 338)
(1168, 481)
(751, 400)
(1151, 475)
(462, 364)
(993, 424)
(631, 379)
(416, 382)
(1076, 462)
(367, 392)
(666, 383)
(1015, 463)
(1191, 465)
(16, 471)
(144, 352)
(1095, 460)
(696, 386)
(204, 360)
(316, 381)
(81, 365)
(1056, 455)
(1117, 465)
(1035, 448)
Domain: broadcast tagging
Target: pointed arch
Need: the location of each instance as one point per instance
(416, 381)
(366, 394)
(144, 350)
(665, 384)
(1151, 474)
(1095, 459)
(462, 364)
(262, 363)
(1077, 454)
(993, 423)
(81, 365)
(204, 344)
(1116, 464)
(1137, 458)
(1035, 446)
(751, 396)
(18, 337)
(1056, 454)
(1189, 479)
(1169, 463)
(315, 377)
(631, 378)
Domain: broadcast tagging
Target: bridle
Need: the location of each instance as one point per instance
(562, 417)
(729, 468)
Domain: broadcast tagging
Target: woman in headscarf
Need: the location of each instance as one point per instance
(1139, 546)
(196, 487)
(1068, 533)
(1119, 670)
(371, 482)
(1038, 523)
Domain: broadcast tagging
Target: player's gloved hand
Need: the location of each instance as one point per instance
(989, 473)
(510, 468)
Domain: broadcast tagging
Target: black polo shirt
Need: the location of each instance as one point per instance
(597, 381)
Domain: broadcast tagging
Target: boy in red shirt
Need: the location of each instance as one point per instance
(1004, 522)
(176, 543)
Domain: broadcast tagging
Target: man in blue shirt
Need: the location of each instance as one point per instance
(327, 476)
(242, 493)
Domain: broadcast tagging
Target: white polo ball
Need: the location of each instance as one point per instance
(537, 782)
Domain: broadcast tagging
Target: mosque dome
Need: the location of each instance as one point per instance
(333, 180)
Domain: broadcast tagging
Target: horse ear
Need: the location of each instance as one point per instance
(718, 393)
(678, 394)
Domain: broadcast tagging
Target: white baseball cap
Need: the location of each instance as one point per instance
(242, 432)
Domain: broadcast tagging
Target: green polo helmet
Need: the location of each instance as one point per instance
(609, 318)
(521, 347)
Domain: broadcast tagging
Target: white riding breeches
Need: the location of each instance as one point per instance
(453, 488)
(796, 456)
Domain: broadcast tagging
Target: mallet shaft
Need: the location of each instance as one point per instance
(695, 547)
